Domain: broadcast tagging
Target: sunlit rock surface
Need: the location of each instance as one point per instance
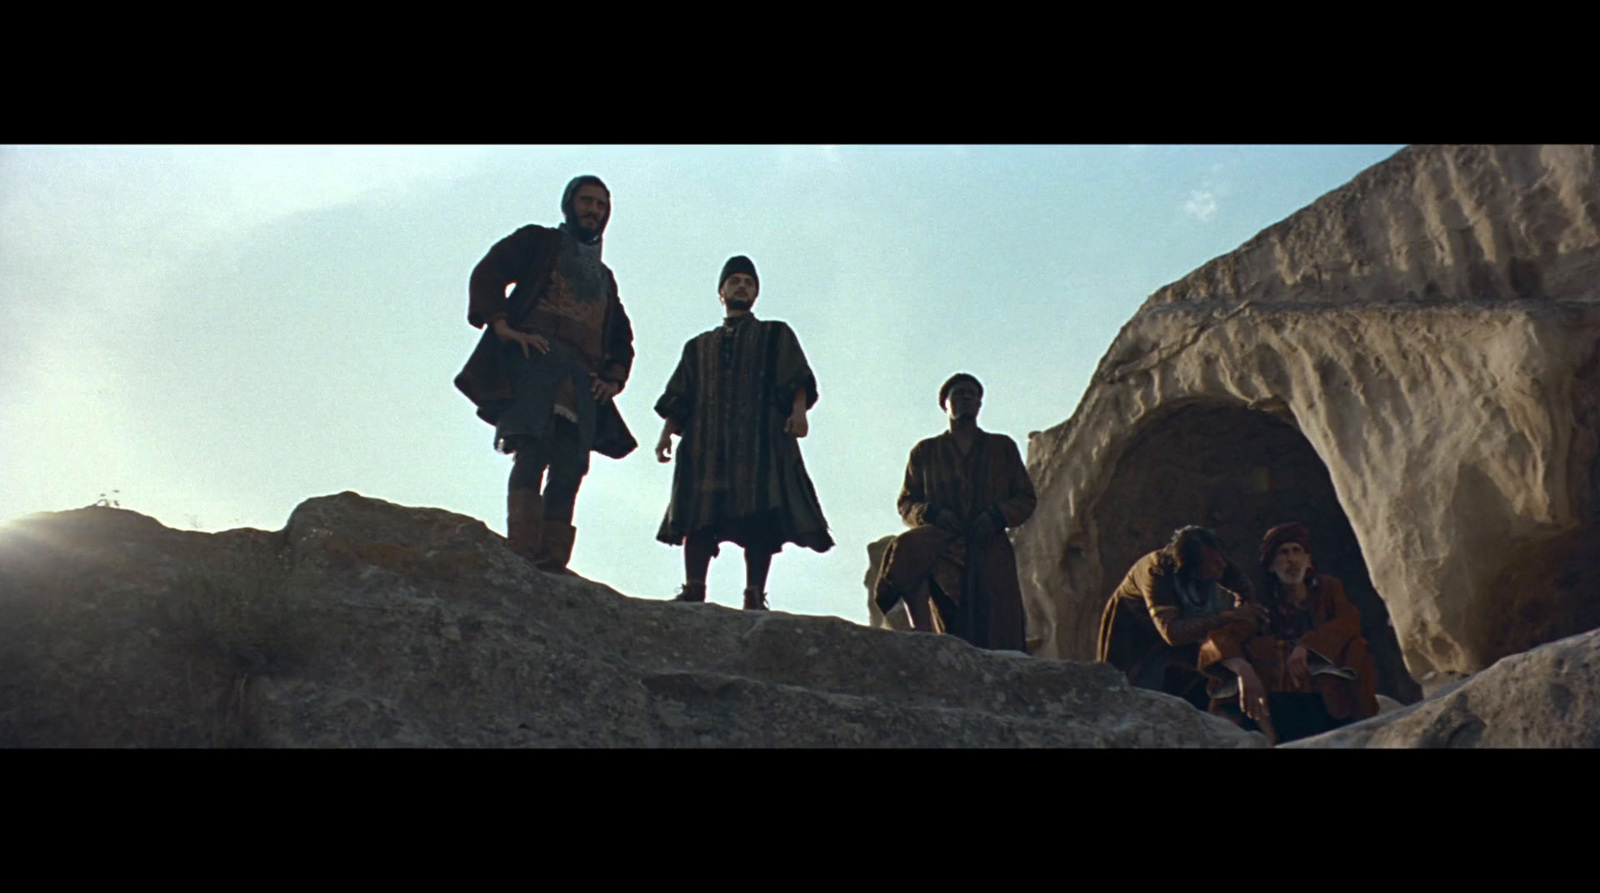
(1408, 365)
(368, 624)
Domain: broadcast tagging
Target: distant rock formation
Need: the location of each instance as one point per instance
(1547, 697)
(368, 624)
(1409, 365)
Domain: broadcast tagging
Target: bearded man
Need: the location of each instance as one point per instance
(1305, 669)
(1171, 599)
(955, 567)
(555, 353)
(738, 403)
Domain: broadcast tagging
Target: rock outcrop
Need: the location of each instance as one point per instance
(367, 624)
(1410, 365)
(1547, 697)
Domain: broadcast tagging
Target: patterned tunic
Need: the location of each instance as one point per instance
(739, 478)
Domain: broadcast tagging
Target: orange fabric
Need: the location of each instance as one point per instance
(1336, 636)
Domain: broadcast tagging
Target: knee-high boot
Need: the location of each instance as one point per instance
(557, 548)
(525, 523)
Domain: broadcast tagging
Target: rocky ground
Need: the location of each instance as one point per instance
(368, 624)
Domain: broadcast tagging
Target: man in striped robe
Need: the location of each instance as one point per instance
(955, 567)
(738, 402)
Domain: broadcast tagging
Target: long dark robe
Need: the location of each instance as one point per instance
(974, 585)
(1154, 622)
(738, 477)
(498, 378)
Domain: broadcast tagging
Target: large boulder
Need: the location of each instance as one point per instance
(1547, 697)
(364, 623)
(1409, 365)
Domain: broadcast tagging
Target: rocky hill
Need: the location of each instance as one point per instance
(368, 624)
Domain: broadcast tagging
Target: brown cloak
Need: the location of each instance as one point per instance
(974, 585)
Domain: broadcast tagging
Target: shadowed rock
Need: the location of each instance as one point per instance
(1547, 697)
(367, 624)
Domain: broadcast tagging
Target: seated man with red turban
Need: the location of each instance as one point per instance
(1305, 669)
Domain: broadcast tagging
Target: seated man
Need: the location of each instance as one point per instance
(955, 568)
(1170, 600)
(1305, 669)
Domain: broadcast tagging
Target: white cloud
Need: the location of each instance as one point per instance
(1202, 205)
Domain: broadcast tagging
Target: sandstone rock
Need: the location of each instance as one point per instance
(1409, 366)
(366, 624)
(1547, 697)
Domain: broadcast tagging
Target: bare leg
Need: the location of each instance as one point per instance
(919, 605)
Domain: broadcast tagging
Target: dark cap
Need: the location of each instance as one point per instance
(944, 390)
(738, 264)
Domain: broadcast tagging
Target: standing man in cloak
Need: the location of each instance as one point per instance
(556, 350)
(738, 403)
(955, 567)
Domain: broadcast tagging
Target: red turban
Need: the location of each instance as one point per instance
(1283, 533)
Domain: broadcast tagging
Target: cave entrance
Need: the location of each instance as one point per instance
(1240, 471)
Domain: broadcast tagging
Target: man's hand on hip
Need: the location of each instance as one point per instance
(525, 339)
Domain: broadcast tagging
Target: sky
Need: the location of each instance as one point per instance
(211, 335)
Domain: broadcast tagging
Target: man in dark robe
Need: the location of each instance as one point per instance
(1153, 624)
(1305, 669)
(738, 402)
(555, 353)
(955, 568)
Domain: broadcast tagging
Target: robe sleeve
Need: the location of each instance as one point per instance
(1020, 499)
(913, 504)
(677, 401)
(1161, 598)
(486, 289)
(1331, 636)
(793, 372)
(1225, 643)
(619, 343)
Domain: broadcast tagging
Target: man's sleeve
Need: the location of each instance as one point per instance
(913, 503)
(793, 372)
(486, 289)
(1020, 500)
(1225, 643)
(1331, 636)
(1160, 597)
(619, 346)
(677, 401)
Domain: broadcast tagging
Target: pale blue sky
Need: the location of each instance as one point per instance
(219, 333)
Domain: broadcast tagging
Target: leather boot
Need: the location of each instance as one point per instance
(524, 522)
(692, 591)
(755, 600)
(557, 549)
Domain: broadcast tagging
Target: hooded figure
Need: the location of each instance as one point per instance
(554, 354)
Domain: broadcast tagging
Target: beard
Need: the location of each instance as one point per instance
(739, 304)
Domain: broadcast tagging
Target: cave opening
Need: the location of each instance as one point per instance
(1239, 472)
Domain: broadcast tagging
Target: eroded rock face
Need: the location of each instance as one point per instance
(1410, 366)
(1547, 697)
(366, 624)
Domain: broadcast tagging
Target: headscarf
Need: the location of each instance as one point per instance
(568, 210)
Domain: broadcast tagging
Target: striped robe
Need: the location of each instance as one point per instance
(974, 585)
(738, 477)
